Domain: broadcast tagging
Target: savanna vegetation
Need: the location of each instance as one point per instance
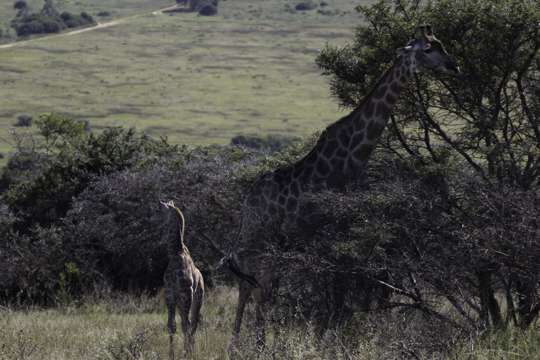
(432, 253)
(47, 21)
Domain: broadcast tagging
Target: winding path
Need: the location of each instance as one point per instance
(95, 27)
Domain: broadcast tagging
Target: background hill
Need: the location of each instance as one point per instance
(249, 69)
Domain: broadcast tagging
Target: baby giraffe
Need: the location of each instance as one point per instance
(184, 285)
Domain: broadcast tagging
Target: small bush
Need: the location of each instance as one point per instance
(87, 17)
(24, 120)
(323, 3)
(208, 10)
(104, 13)
(306, 5)
(20, 4)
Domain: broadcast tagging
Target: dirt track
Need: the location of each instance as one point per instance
(98, 26)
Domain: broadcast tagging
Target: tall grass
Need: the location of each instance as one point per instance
(117, 327)
(134, 327)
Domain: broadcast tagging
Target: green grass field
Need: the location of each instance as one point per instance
(195, 79)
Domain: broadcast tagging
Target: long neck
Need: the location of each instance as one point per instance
(175, 233)
(346, 145)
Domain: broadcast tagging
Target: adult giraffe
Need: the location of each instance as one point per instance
(340, 153)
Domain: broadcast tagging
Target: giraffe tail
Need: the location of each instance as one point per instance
(229, 260)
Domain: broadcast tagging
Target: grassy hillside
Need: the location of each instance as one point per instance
(116, 8)
(195, 79)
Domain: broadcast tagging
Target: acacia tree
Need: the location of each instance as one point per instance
(490, 115)
(50, 7)
(23, 8)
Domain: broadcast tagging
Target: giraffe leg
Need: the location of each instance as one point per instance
(198, 296)
(244, 292)
(171, 323)
(260, 303)
(186, 323)
(186, 329)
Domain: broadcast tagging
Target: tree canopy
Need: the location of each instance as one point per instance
(490, 115)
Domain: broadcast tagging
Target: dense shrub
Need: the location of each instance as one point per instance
(74, 21)
(433, 240)
(66, 16)
(43, 24)
(52, 26)
(42, 185)
(88, 195)
(32, 27)
(87, 17)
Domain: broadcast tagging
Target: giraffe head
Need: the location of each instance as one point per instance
(165, 213)
(162, 212)
(429, 52)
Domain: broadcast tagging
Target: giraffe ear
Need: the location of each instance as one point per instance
(405, 51)
(171, 203)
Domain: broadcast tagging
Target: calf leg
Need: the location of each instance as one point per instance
(171, 322)
(198, 295)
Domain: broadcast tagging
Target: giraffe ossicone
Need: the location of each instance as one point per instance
(340, 153)
(184, 284)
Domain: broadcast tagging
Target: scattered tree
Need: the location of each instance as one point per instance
(23, 8)
(24, 120)
(50, 7)
(20, 4)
